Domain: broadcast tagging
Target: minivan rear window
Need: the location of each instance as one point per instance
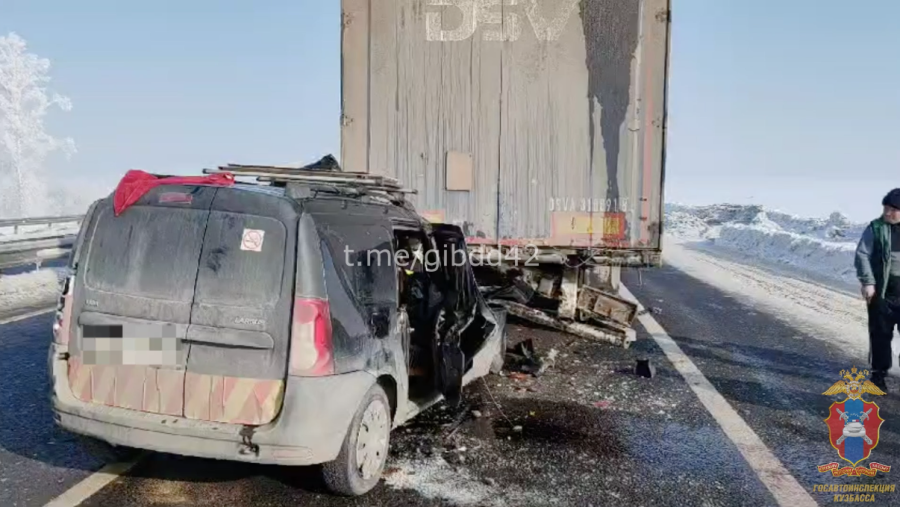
(235, 273)
(146, 252)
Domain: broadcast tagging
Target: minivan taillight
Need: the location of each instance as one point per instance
(311, 350)
(63, 313)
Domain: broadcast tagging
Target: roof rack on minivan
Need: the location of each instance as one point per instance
(321, 180)
(292, 174)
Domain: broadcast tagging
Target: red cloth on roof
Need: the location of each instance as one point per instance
(137, 183)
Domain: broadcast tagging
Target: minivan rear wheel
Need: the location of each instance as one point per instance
(359, 465)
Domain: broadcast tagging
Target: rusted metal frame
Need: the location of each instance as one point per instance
(619, 337)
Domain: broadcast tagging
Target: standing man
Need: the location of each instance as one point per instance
(878, 269)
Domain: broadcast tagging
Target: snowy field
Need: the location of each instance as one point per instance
(35, 290)
(818, 249)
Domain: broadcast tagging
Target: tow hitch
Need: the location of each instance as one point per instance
(247, 446)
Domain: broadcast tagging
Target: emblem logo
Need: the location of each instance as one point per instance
(854, 425)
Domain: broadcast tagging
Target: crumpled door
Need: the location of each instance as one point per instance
(460, 305)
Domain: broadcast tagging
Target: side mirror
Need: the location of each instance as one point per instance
(380, 322)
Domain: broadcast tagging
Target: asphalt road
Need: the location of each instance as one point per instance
(588, 432)
(37, 460)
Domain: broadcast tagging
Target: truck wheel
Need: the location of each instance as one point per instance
(360, 463)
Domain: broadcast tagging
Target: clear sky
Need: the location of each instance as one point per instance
(793, 104)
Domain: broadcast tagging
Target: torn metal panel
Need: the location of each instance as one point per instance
(547, 286)
(569, 293)
(604, 277)
(601, 305)
(532, 277)
(620, 337)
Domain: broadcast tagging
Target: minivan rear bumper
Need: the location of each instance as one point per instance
(309, 430)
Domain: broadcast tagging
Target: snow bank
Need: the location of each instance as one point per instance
(35, 290)
(831, 259)
(820, 246)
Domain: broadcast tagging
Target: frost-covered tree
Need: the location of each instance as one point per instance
(24, 142)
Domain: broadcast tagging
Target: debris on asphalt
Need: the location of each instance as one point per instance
(655, 310)
(457, 423)
(582, 394)
(519, 291)
(527, 360)
(436, 479)
(643, 368)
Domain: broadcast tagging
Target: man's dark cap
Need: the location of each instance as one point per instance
(892, 199)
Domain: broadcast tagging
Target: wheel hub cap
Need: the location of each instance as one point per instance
(371, 441)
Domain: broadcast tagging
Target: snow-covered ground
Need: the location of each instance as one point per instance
(818, 248)
(29, 291)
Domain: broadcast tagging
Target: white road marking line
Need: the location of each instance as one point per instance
(786, 490)
(93, 483)
(28, 315)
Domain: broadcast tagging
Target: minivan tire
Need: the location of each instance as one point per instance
(372, 420)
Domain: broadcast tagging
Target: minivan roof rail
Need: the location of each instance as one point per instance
(361, 181)
(318, 180)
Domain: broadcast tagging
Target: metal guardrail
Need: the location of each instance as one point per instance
(15, 223)
(40, 245)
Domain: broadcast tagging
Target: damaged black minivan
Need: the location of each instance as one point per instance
(294, 322)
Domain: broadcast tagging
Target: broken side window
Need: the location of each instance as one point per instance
(364, 257)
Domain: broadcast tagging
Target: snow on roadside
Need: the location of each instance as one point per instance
(30, 290)
(822, 247)
(830, 259)
(836, 317)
